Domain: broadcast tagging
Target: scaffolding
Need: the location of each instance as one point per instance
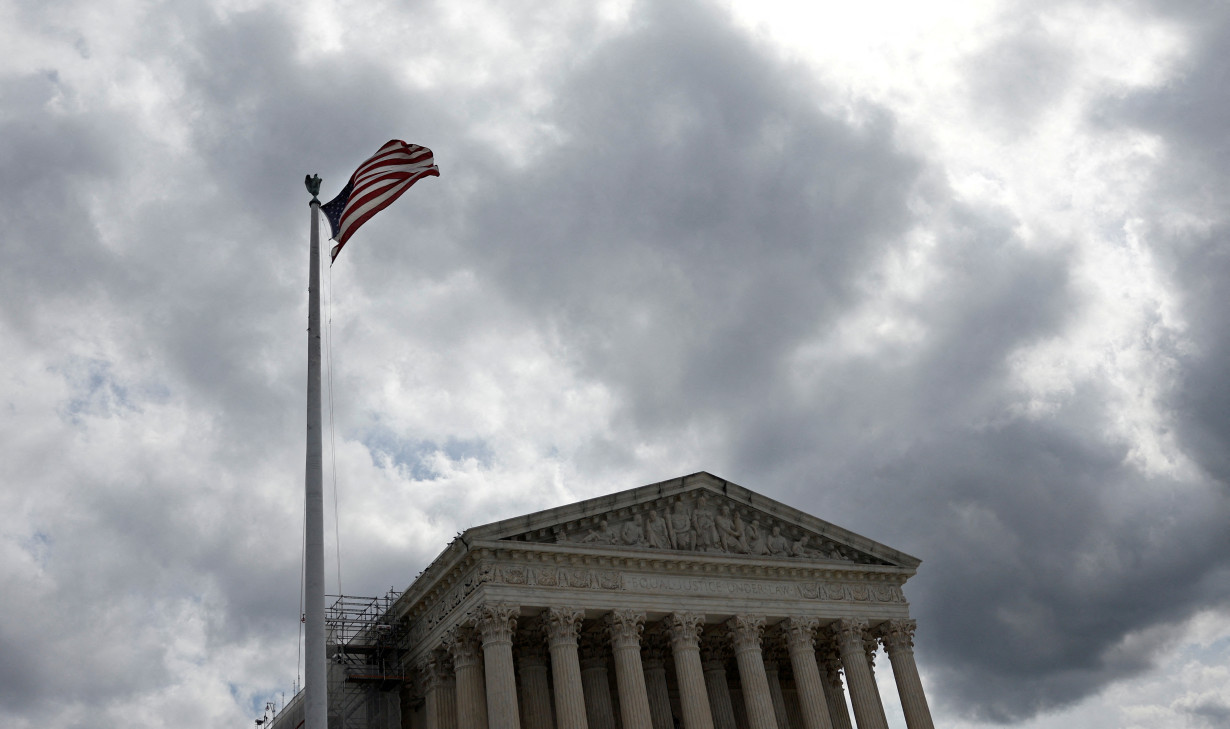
(366, 670)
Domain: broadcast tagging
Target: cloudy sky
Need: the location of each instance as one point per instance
(950, 274)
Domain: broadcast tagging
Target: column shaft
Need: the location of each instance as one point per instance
(471, 691)
(736, 700)
(868, 711)
(535, 699)
(625, 628)
(870, 646)
(775, 691)
(599, 711)
(693, 698)
(496, 623)
(898, 638)
(655, 685)
(745, 632)
(801, 645)
(718, 688)
(439, 691)
(446, 704)
(834, 691)
(561, 626)
(794, 713)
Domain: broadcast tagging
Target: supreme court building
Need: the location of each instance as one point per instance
(691, 603)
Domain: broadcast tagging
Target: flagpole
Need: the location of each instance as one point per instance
(315, 678)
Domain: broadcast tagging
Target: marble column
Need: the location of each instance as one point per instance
(834, 692)
(870, 646)
(439, 691)
(714, 650)
(898, 637)
(654, 663)
(535, 673)
(561, 626)
(693, 698)
(736, 700)
(471, 692)
(745, 634)
(599, 711)
(868, 712)
(800, 637)
(773, 674)
(625, 628)
(794, 714)
(496, 623)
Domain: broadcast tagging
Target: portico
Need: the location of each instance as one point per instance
(693, 601)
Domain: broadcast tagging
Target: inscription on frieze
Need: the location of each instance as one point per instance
(762, 588)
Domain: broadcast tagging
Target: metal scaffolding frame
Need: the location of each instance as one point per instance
(366, 660)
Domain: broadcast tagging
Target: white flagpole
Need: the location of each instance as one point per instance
(315, 678)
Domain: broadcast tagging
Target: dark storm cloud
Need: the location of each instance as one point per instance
(697, 224)
(698, 218)
(196, 307)
(1187, 226)
(702, 220)
(51, 162)
(192, 319)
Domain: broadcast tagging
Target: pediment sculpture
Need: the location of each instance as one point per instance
(695, 522)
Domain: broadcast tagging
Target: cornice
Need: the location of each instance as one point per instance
(424, 593)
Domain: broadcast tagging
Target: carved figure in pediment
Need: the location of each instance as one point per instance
(800, 548)
(604, 534)
(831, 551)
(657, 532)
(706, 530)
(740, 532)
(756, 543)
(730, 531)
(778, 545)
(681, 527)
(632, 533)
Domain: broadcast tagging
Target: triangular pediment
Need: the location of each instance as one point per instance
(700, 513)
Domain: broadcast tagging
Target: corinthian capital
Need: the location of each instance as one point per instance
(562, 623)
(462, 643)
(435, 670)
(799, 633)
(684, 629)
(745, 631)
(593, 646)
(625, 627)
(714, 648)
(849, 635)
(497, 621)
(898, 636)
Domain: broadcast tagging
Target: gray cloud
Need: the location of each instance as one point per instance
(692, 224)
(699, 217)
(1186, 224)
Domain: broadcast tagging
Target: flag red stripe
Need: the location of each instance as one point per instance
(379, 181)
(375, 201)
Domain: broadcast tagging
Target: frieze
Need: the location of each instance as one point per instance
(557, 576)
(830, 592)
(691, 522)
(449, 600)
(598, 579)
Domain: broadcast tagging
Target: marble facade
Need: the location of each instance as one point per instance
(691, 603)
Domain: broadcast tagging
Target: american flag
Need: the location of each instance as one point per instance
(375, 185)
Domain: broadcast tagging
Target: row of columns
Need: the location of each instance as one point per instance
(566, 687)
